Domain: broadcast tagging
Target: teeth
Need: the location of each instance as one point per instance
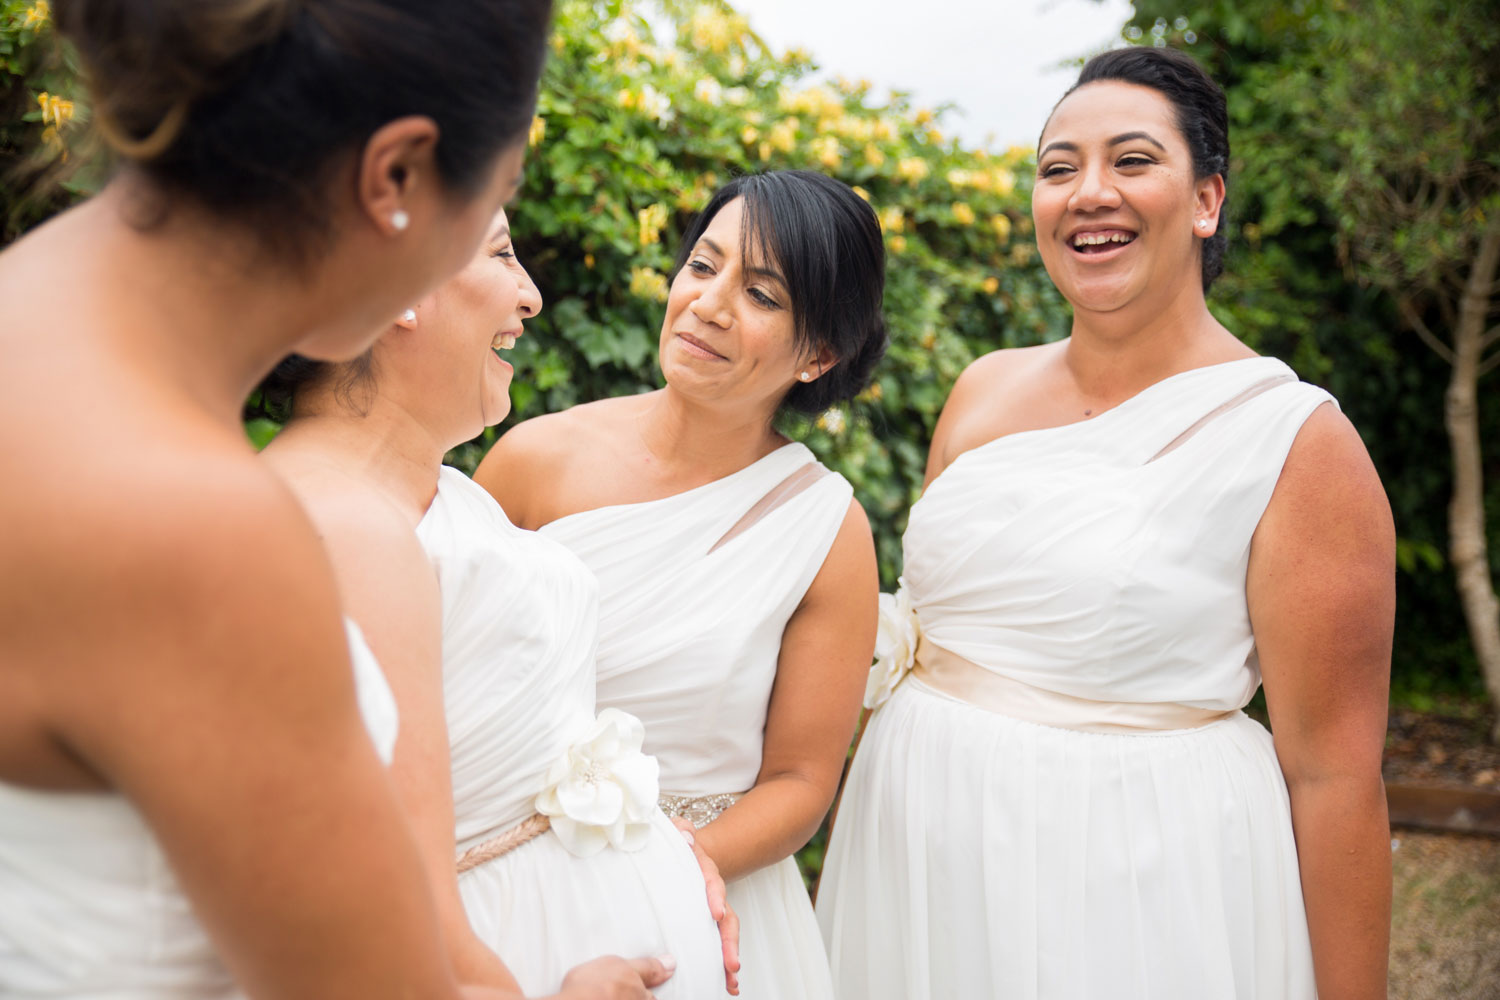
(503, 342)
(1097, 239)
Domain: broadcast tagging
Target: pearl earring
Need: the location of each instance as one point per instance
(400, 220)
(1203, 223)
(805, 377)
(410, 316)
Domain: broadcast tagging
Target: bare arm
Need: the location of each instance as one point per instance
(1322, 601)
(390, 589)
(211, 685)
(820, 677)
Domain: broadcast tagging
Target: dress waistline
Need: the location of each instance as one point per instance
(950, 674)
(527, 830)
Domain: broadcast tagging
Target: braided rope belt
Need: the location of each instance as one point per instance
(528, 829)
(698, 810)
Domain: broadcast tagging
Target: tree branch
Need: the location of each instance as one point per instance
(1487, 366)
(1415, 321)
(1490, 338)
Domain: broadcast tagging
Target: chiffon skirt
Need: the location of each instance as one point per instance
(544, 911)
(979, 856)
(781, 950)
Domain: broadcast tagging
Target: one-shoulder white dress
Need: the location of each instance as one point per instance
(89, 907)
(1062, 800)
(696, 591)
(520, 622)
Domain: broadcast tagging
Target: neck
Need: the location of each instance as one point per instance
(187, 303)
(709, 441)
(1113, 355)
(388, 447)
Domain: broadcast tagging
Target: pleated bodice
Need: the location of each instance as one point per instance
(1106, 559)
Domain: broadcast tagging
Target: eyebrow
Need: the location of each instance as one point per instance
(1117, 140)
(500, 233)
(764, 272)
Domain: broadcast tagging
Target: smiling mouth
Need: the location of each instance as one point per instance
(696, 346)
(1101, 242)
(504, 341)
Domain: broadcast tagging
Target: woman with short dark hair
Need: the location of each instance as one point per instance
(1122, 535)
(737, 574)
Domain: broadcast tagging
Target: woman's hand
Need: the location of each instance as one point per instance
(613, 978)
(718, 907)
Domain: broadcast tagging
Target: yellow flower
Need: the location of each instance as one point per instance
(991, 285)
(929, 338)
(626, 98)
(537, 132)
(832, 421)
(1000, 223)
(38, 14)
(963, 214)
(749, 134)
(862, 193)
(874, 392)
(826, 149)
(784, 134)
(764, 151)
(712, 30)
(924, 116)
(874, 157)
(892, 219)
(959, 178)
(56, 110)
(898, 244)
(652, 219)
(1004, 180)
(708, 91)
(912, 169)
(648, 284)
(588, 261)
(1022, 253)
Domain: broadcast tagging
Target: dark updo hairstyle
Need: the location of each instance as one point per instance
(244, 107)
(1202, 118)
(826, 242)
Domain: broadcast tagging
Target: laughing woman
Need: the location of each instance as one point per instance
(487, 635)
(737, 573)
(1122, 534)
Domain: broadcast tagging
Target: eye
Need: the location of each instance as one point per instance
(1054, 170)
(1134, 160)
(762, 299)
(506, 252)
(699, 266)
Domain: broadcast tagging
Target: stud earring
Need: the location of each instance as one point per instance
(805, 377)
(400, 220)
(410, 316)
(1203, 223)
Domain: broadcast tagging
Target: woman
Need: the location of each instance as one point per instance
(189, 790)
(737, 574)
(1122, 534)
(491, 657)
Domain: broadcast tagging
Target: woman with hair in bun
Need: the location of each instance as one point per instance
(737, 574)
(537, 819)
(193, 799)
(1123, 534)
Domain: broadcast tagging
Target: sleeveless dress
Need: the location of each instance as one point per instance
(520, 621)
(696, 591)
(1063, 800)
(89, 907)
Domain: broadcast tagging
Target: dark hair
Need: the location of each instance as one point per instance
(276, 396)
(245, 106)
(1202, 118)
(826, 241)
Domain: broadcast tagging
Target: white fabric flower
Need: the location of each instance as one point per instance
(895, 646)
(603, 791)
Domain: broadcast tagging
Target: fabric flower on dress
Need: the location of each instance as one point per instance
(895, 646)
(603, 791)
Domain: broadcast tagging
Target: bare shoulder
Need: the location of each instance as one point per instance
(534, 465)
(1329, 480)
(971, 409)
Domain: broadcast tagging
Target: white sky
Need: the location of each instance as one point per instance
(997, 60)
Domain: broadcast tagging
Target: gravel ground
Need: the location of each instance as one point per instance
(1445, 931)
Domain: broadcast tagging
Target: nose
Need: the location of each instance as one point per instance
(1094, 190)
(530, 302)
(711, 305)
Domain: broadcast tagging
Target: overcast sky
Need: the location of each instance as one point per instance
(998, 60)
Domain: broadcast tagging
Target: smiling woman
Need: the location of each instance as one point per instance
(737, 574)
(1122, 534)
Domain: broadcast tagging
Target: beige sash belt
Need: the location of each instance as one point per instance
(523, 832)
(967, 681)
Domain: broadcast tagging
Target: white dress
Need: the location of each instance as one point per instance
(89, 907)
(696, 591)
(1069, 804)
(520, 621)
